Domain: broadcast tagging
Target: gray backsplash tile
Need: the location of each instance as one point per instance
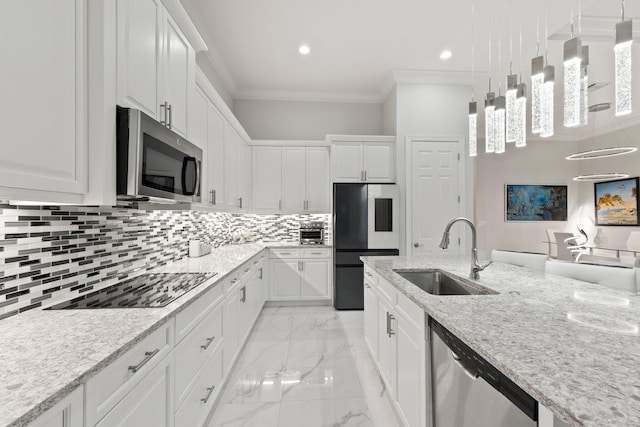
(52, 253)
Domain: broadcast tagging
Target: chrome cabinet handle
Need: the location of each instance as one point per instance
(213, 197)
(301, 265)
(279, 204)
(240, 202)
(391, 318)
(367, 286)
(285, 253)
(244, 294)
(369, 274)
(209, 341)
(260, 276)
(417, 245)
(164, 107)
(148, 356)
(365, 175)
(169, 110)
(361, 175)
(210, 392)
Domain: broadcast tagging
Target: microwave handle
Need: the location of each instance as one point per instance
(185, 162)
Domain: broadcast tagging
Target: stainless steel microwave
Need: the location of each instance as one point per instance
(154, 162)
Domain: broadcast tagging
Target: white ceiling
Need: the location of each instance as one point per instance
(355, 44)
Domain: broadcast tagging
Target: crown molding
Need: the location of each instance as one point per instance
(186, 25)
(302, 96)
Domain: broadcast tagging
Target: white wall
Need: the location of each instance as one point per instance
(389, 113)
(540, 162)
(433, 111)
(283, 120)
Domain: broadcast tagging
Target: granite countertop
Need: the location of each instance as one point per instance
(46, 354)
(572, 345)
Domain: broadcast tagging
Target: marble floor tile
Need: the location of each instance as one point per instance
(305, 366)
(246, 415)
(325, 413)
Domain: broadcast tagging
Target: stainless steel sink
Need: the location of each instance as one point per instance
(438, 282)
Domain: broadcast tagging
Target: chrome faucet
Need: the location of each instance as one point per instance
(476, 267)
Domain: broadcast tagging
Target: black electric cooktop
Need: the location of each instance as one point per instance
(147, 290)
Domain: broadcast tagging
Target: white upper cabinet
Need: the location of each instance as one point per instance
(290, 179)
(156, 63)
(363, 159)
(43, 120)
(214, 169)
(237, 164)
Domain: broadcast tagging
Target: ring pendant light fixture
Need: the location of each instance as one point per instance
(601, 176)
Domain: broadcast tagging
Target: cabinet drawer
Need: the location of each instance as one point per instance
(316, 253)
(200, 400)
(194, 350)
(285, 253)
(229, 282)
(411, 312)
(388, 291)
(112, 383)
(244, 270)
(188, 318)
(370, 276)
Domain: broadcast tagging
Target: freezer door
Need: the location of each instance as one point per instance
(350, 216)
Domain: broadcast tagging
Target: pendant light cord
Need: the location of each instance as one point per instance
(473, 97)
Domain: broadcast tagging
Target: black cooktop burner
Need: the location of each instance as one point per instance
(147, 290)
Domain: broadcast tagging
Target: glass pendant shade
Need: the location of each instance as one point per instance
(537, 78)
(473, 129)
(499, 121)
(510, 97)
(489, 110)
(572, 82)
(521, 115)
(622, 50)
(547, 102)
(584, 87)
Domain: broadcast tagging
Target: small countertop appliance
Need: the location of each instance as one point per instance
(312, 233)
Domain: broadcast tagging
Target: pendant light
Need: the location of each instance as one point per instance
(512, 88)
(572, 79)
(547, 102)
(622, 50)
(537, 78)
(489, 110)
(500, 124)
(584, 87)
(473, 108)
(521, 115)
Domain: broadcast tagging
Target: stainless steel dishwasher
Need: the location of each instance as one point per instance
(469, 392)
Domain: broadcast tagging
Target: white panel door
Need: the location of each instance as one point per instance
(215, 156)
(150, 403)
(244, 173)
(314, 283)
(386, 344)
(379, 161)
(318, 182)
(347, 162)
(293, 179)
(179, 75)
(43, 112)
(284, 280)
(266, 178)
(230, 329)
(434, 195)
(198, 135)
(139, 55)
(371, 318)
(230, 167)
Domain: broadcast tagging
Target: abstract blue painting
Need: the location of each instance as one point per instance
(536, 202)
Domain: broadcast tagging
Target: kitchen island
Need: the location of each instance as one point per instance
(572, 345)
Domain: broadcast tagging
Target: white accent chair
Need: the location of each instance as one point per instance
(618, 277)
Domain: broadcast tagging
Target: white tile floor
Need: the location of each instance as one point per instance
(305, 366)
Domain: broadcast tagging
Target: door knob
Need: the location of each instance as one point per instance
(417, 245)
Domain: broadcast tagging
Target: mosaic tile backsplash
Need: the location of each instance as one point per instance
(53, 253)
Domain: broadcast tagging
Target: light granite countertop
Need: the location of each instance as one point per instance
(573, 346)
(46, 354)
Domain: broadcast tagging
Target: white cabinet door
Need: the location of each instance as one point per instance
(293, 179)
(215, 156)
(244, 173)
(43, 113)
(139, 55)
(230, 167)
(386, 343)
(371, 318)
(266, 178)
(378, 162)
(314, 283)
(149, 403)
(179, 61)
(411, 375)
(348, 162)
(318, 183)
(66, 413)
(231, 331)
(284, 280)
(198, 135)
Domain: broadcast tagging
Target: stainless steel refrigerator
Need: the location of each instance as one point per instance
(365, 223)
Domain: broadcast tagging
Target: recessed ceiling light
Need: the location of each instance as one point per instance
(446, 54)
(304, 49)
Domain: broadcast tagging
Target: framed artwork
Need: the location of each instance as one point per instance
(535, 202)
(617, 202)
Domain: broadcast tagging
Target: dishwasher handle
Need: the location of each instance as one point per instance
(470, 371)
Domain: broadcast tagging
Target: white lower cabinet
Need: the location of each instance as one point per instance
(149, 403)
(395, 334)
(300, 274)
(66, 413)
